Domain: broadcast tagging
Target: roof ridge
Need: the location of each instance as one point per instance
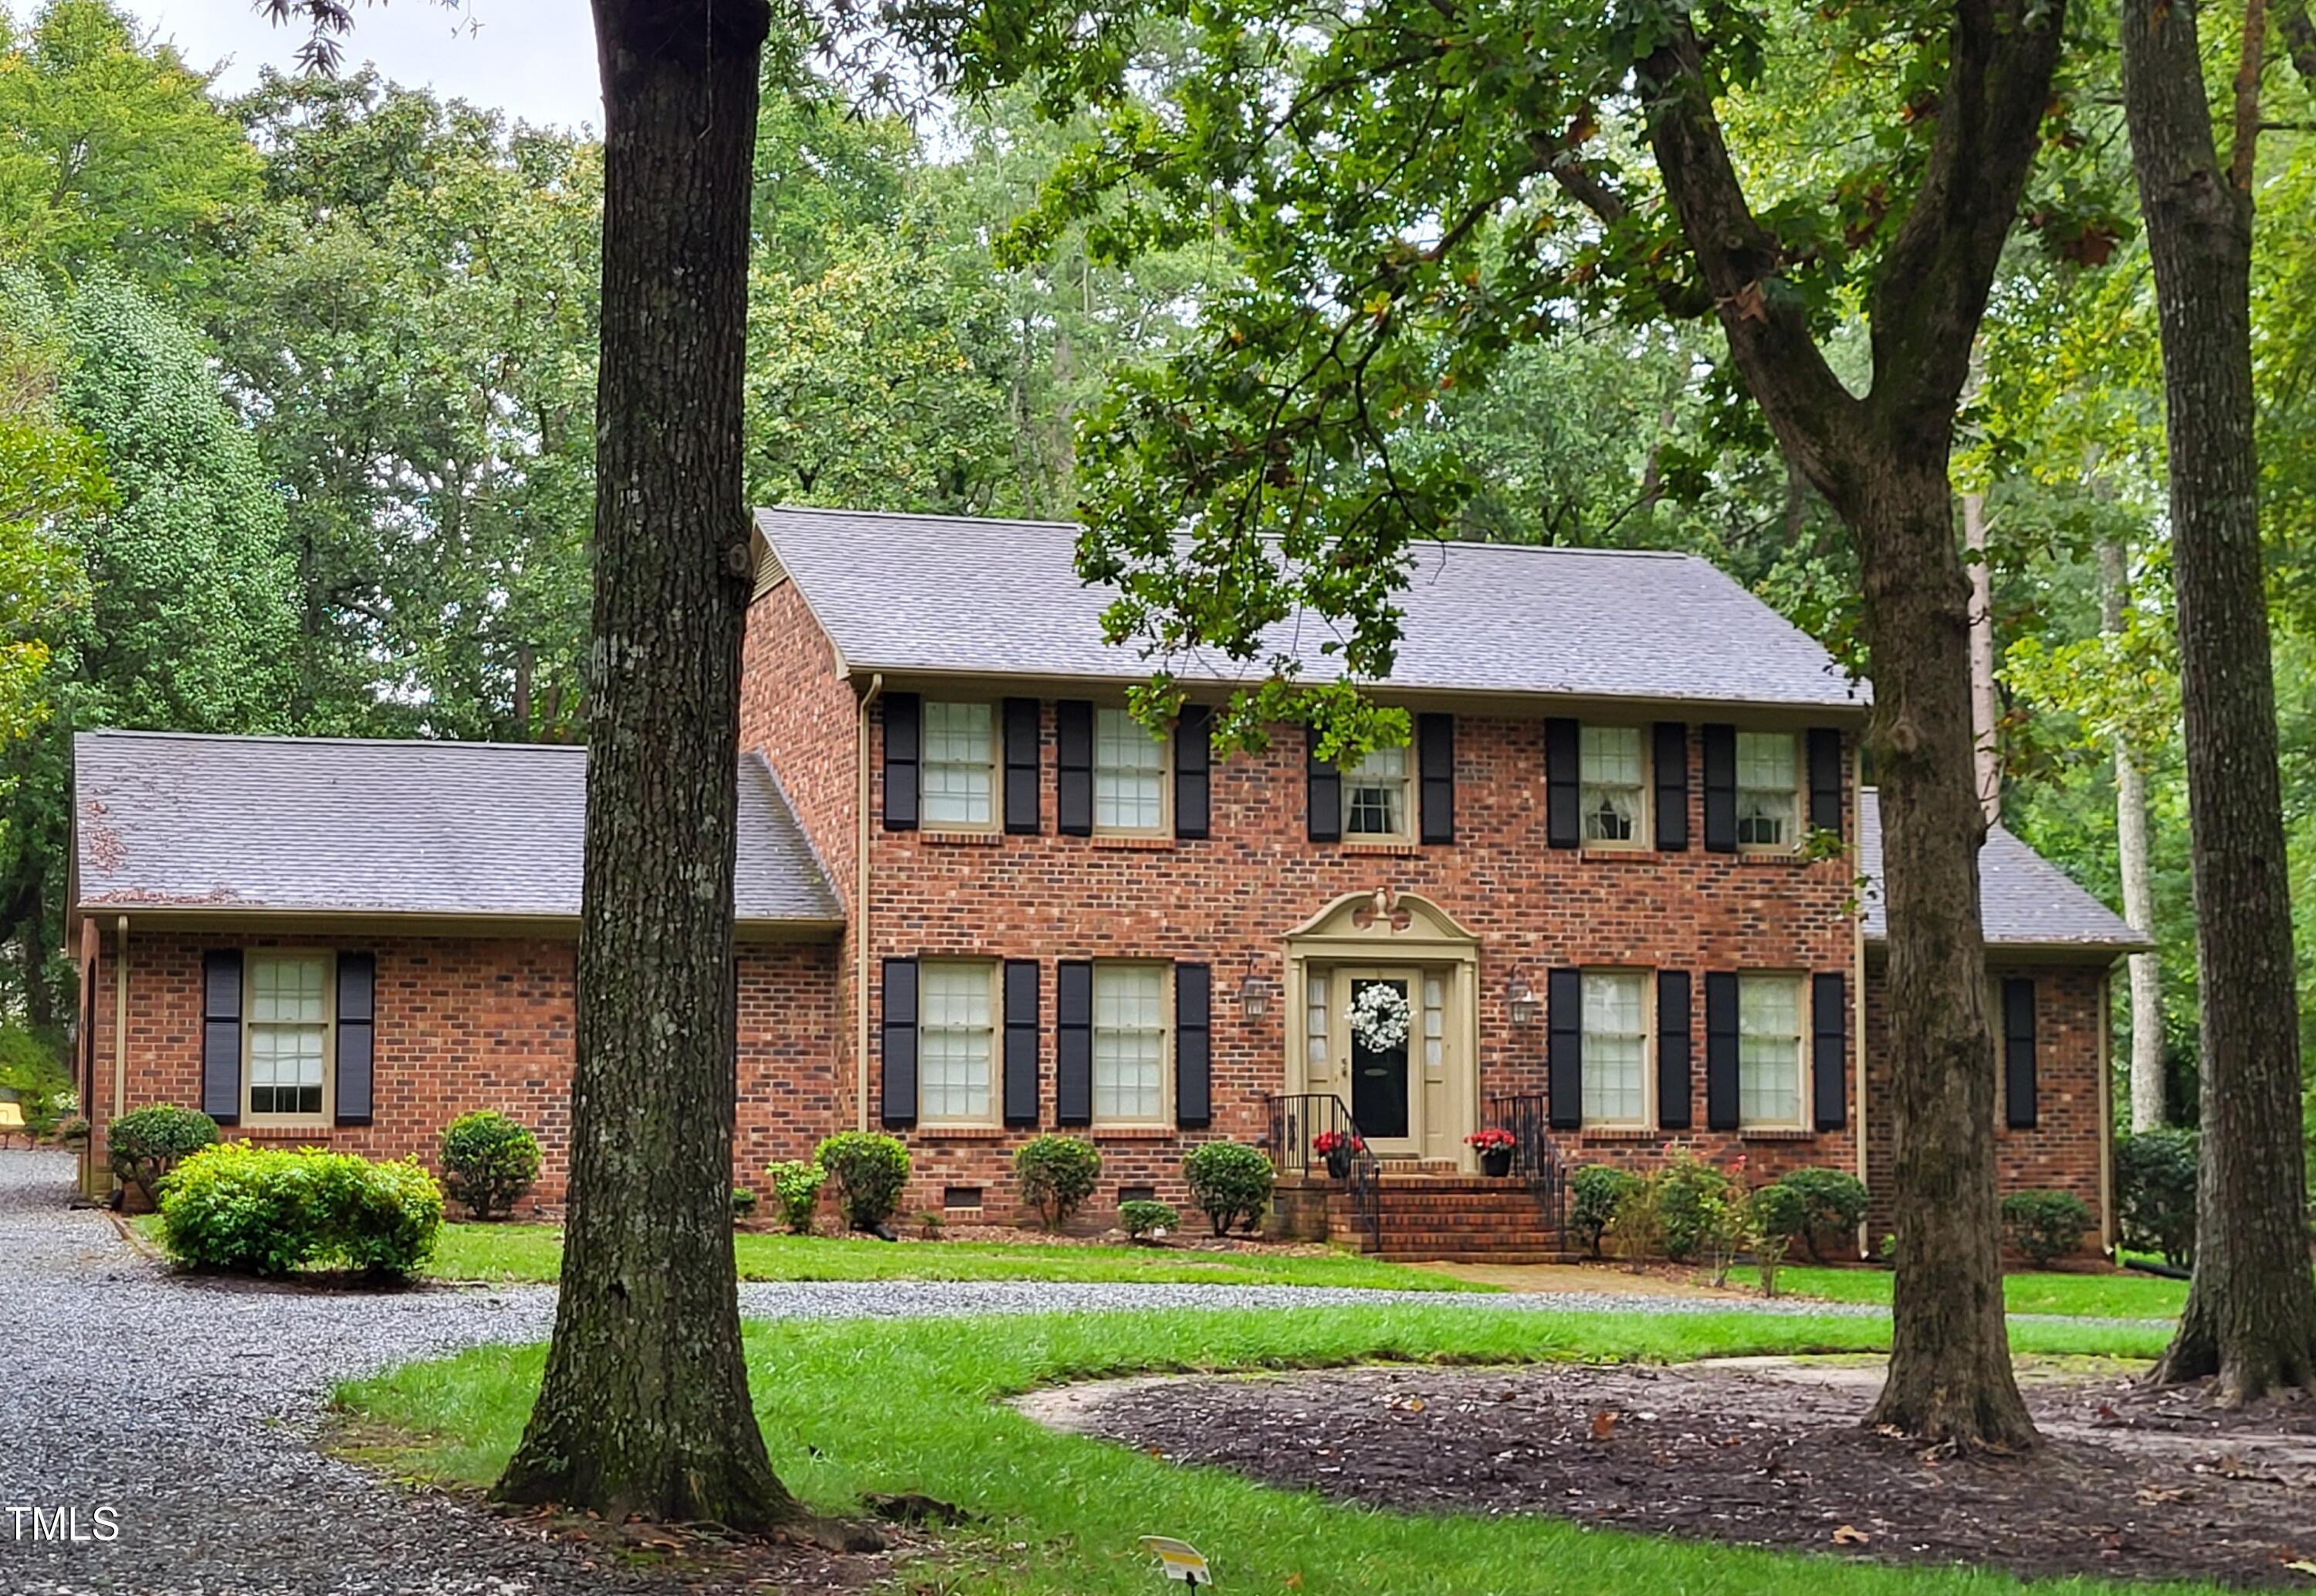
(277, 739)
(916, 515)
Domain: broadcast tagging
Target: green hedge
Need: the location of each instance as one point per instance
(269, 1211)
(488, 1162)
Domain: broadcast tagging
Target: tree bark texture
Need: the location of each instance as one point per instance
(2148, 1110)
(1984, 709)
(645, 1406)
(2250, 1318)
(1881, 461)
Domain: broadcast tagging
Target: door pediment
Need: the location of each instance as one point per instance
(1385, 919)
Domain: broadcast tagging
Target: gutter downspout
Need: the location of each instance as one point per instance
(860, 914)
(119, 1028)
(1858, 982)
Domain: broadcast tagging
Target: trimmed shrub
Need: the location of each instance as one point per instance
(1230, 1183)
(1834, 1205)
(1774, 1214)
(2045, 1224)
(1688, 1209)
(2155, 1192)
(488, 1162)
(268, 1210)
(146, 1143)
(1058, 1174)
(1595, 1190)
(871, 1170)
(744, 1201)
(796, 1191)
(1143, 1220)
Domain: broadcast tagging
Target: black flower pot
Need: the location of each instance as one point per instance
(1338, 1163)
(1495, 1161)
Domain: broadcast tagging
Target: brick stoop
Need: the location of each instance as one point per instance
(1451, 1218)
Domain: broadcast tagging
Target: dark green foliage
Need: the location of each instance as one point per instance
(1688, 1204)
(1833, 1207)
(871, 1170)
(1778, 1213)
(488, 1162)
(2155, 1192)
(268, 1210)
(144, 1143)
(2045, 1226)
(1230, 1183)
(744, 1201)
(1058, 1174)
(1143, 1220)
(1595, 1191)
(796, 1188)
(30, 1068)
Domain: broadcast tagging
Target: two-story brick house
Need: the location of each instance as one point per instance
(1612, 883)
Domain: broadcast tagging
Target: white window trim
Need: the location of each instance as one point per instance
(1164, 1117)
(1648, 1049)
(1643, 837)
(1166, 826)
(328, 958)
(1799, 982)
(995, 968)
(1796, 791)
(993, 764)
(1409, 790)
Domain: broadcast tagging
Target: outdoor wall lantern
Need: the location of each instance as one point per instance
(1253, 994)
(1523, 1001)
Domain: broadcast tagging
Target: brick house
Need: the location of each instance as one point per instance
(1609, 895)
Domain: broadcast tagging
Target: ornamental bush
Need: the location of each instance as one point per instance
(1834, 1205)
(1058, 1174)
(744, 1201)
(1595, 1190)
(488, 1162)
(871, 1170)
(1230, 1183)
(2045, 1224)
(796, 1192)
(146, 1143)
(1143, 1220)
(268, 1210)
(2155, 1192)
(1689, 1201)
(1774, 1214)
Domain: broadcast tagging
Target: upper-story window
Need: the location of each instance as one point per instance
(1769, 1051)
(959, 771)
(1375, 795)
(1768, 788)
(1130, 774)
(289, 1034)
(1616, 1048)
(1610, 787)
(956, 1040)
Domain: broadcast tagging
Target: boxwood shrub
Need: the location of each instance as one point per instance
(146, 1143)
(268, 1210)
(1834, 1205)
(871, 1170)
(1595, 1190)
(2045, 1226)
(1058, 1174)
(488, 1162)
(1143, 1219)
(1230, 1183)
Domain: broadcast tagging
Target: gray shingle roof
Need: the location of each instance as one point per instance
(992, 597)
(295, 824)
(2024, 899)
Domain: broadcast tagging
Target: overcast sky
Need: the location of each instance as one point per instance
(533, 59)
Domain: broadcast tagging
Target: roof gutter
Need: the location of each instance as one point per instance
(860, 918)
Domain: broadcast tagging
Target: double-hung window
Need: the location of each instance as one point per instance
(959, 766)
(1130, 774)
(954, 1040)
(1129, 1043)
(1616, 1048)
(1769, 1051)
(1610, 782)
(1768, 790)
(1375, 795)
(289, 1034)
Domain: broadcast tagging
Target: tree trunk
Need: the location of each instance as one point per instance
(2250, 1318)
(1950, 1378)
(2148, 1110)
(645, 1406)
(1984, 710)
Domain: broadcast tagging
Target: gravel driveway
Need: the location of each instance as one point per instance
(189, 1408)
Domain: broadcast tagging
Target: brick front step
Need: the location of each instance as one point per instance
(1446, 1215)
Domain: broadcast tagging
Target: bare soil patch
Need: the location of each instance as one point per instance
(2129, 1484)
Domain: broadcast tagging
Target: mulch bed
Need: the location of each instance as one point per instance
(2129, 1484)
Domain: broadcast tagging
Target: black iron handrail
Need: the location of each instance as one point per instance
(1527, 1116)
(1300, 1120)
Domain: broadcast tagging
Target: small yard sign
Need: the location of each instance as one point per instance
(1178, 1559)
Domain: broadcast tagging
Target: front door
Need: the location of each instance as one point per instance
(1379, 1074)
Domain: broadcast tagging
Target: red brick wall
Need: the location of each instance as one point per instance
(469, 1023)
(797, 712)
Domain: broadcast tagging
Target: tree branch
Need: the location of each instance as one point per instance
(2250, 62)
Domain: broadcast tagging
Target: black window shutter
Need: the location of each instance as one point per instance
(1435, 749)
(1672, 1050)
(1194, 1002)
(1074, 1041)
(1021, 982)
(2018, 1082)
(900, 1043)
(356, 1035)
(1825, 779)
(1323, 794)
(1194, 757)
(1828, 1031)
(1074, 768)
(1669, 764)
(1022, 816)
(1720, 1051)
(904, 741)
(1564, 1011)
(1562, 756)
(220, 1036)
(1721, 789)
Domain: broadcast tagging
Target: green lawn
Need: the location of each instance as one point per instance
(535, 1252)
(2103, 1296)
(857, 1407)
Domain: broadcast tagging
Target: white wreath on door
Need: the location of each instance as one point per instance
(1379, 1016)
